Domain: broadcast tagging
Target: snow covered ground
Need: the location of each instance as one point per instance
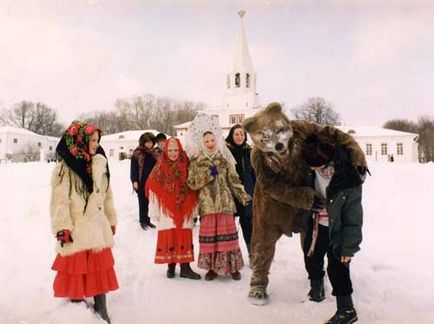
(393, 274)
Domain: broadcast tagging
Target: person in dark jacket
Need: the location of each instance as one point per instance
(335, 227)
(236, 141)
(142, 163)
(160, 139)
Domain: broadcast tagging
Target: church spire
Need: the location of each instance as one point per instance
(241, 80)
(242, 60)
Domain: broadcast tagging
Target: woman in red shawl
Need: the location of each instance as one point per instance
(171, 206)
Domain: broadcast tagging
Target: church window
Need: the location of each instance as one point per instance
(228, 81)
(237, 80)
(247, 80)
(50, 148)
(121, 136)
(399, 149)
(112, 152)
(368, 149)
(236, 119)
(39, 144)
(383, 148)
(15, 140)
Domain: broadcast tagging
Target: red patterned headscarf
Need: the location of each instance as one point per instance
(167, 181)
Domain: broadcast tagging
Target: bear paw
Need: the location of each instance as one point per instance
(258, 296)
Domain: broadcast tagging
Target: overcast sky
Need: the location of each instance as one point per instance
(374, 60)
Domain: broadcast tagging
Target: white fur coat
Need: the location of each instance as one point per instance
(91, 229)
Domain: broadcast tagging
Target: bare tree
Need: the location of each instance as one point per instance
(426, 139)
(317, 110)
(38, 118)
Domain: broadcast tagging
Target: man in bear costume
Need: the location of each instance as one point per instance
(282, 194)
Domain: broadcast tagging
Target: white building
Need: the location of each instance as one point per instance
(17, 143)
(240, 99)
(384, 145)
(121, 145)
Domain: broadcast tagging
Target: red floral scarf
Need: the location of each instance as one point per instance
(168, 183)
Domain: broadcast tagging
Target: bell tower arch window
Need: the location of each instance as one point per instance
(237, 80)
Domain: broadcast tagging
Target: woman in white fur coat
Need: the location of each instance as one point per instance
(83, 218)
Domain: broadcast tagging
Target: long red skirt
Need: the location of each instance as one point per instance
(174, 246)
(84, 274)
(218, 244)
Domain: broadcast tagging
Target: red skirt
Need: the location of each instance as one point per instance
(218, 244)
(84, 274)
(174, 246)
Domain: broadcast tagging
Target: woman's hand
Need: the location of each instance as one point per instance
(136, 185)
(346, 259)
(248, 200)
(64, 236)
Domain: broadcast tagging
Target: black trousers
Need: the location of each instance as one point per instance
(143, 207)
(338, 272)
(246, 221)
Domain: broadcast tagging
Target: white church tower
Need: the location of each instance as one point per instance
(240, 99)
(241, 80)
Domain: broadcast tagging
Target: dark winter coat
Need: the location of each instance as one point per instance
(344, 205)
(142, 163)
(244, 166)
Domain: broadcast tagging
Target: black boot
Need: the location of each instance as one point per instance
(100, 307)
(316, 292)
(187, 272)
(149, 224)
(210, 275)
(344, 316)
(346, 313)
(171, 270)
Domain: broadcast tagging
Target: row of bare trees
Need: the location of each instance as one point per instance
(139, 112)
(145, 112)
(424, 127)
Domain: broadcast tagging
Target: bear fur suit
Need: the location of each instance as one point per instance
(282, 195)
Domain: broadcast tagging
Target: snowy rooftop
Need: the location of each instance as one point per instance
(16, 130)
(367, 131)
(183, 125)
(128, 135)
(23, 131)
